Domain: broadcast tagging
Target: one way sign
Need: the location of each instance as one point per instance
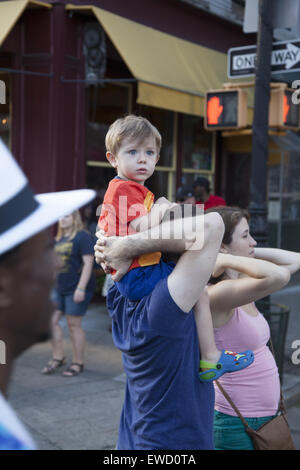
(285, 58)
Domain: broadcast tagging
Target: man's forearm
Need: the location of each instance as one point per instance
(173, 236)
(149, 241)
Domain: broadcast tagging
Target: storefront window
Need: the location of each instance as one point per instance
(105, 105)
(198, 151)
(99, 177)
(5, 113)
(189, 178)
(164, 121)
(158, 183)
(197, 144)
(284, 188)
(162, 183)
(284, 193)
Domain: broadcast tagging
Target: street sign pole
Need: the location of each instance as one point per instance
(258, 179)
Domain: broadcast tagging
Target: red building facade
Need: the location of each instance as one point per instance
(55, 121)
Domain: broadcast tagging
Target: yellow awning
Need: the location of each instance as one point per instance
(172, 73)
(11, 11)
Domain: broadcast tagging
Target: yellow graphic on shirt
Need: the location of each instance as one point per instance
(149, 259)
(148, 202)
(64, 251)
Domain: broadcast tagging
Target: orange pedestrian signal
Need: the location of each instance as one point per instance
(286, 108)
(214, 110)
(225, 109)
(283, 113)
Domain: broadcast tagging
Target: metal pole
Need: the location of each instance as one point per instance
(282, 156)
(258, 181)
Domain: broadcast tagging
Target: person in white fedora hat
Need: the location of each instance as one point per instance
(27, 271)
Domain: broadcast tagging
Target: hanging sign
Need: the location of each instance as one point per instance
(285, 58)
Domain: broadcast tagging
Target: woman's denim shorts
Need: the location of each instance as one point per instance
(66, 304)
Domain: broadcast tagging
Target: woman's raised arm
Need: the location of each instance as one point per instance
(289, 259)
(262, 278)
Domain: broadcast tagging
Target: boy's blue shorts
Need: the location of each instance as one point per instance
(139, 282)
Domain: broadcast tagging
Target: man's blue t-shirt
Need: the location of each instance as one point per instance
(70, 253)
(165, 406)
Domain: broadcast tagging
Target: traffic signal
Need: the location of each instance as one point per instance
(226, 109)
(283, 113)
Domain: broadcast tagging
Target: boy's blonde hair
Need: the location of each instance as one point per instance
(77, 227)
(135, 127)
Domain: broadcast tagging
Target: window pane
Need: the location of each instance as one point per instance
(164, 122)
(5, 117)
(158, 184)
(98, 178)
(197, 144)
(105, 105)
(189, 178)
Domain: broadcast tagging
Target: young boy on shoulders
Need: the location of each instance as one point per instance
(133, 145)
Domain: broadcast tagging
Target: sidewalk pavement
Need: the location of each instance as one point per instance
(72, 413)
(290, 296)
(82, 412)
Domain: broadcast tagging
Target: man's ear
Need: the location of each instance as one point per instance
(5, 291)
(112, 159)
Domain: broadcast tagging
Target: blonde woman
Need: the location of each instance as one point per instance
(74, 290)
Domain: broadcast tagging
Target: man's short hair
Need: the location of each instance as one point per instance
(201, 181)
(136, 127)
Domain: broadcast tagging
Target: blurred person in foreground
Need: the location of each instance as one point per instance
(27, 271)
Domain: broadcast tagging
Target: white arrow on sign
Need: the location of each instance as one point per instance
(288, 57)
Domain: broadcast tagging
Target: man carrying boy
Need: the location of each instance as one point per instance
(148, 305)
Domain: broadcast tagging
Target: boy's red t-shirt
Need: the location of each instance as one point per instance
(123, 202)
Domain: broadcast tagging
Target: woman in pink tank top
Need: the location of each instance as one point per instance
(244, 274)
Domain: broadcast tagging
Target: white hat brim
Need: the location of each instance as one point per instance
(52, 207)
